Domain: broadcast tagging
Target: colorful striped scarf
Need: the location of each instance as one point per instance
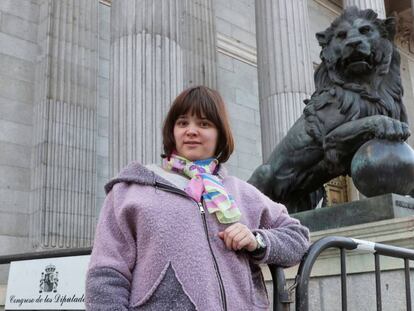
(205, 185)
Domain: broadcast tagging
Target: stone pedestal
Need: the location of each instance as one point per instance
(369, 210)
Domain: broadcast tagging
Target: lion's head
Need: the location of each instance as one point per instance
(358, 54)
(357, 43)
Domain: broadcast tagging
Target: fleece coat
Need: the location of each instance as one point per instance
(154, 251)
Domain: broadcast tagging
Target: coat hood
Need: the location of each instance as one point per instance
(135, 173)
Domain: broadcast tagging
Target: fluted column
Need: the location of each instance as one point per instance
(199, 43)
(158, 47)
(65, 125)
(377, 5)
(284, 66)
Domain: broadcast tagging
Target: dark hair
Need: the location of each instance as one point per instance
(200, 101)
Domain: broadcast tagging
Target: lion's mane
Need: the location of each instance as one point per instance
(383, 94)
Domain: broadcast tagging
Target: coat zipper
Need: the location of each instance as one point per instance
(222, 291)
(203, 217)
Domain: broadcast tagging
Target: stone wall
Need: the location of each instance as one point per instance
(237, 81)
(18, 50)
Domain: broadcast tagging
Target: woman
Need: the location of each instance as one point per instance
(185, 235)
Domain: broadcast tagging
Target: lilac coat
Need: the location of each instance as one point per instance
(152, 250)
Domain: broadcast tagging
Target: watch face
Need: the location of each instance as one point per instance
(260, 241)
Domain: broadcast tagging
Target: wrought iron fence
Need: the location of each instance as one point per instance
(282, 297)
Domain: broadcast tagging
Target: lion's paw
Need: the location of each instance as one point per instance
(390, 129)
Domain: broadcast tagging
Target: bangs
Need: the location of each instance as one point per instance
(199, 102)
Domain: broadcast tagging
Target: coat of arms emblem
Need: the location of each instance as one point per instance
(49, 280)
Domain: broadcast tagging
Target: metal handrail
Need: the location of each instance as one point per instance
(344, 243)
(6, 259)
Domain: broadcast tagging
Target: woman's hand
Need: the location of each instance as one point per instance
(238, 236)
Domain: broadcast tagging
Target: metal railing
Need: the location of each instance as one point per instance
(46, 254)
(282, 296)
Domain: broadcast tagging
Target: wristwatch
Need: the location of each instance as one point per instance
(261, 244)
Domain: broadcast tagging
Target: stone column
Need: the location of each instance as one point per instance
(63, 179)
(199, 43)
(284, 66)
(158, 47)
(376, 5)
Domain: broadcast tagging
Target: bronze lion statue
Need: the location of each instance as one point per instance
(358, 97)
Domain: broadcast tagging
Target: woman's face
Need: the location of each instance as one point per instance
(195, 138)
